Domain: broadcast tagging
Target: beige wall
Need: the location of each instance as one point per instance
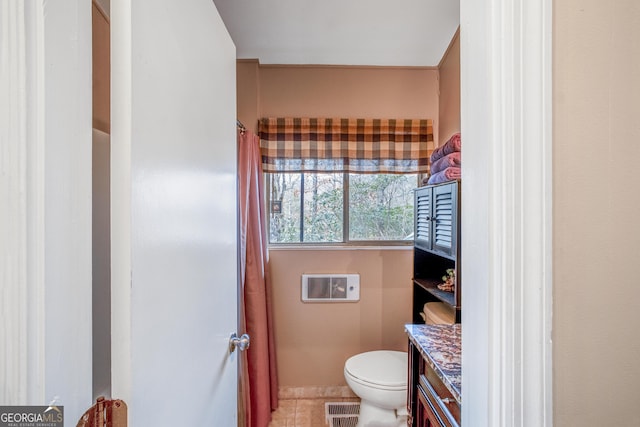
(248, 81)
(330, 91)
(314, 340)
(101, 70)
(596, 206)
(449, 111)
(369, 92)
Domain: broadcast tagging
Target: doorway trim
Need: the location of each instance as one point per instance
(22, 149)
(47, 140)
(506, 119)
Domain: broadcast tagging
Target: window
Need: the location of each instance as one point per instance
(342, 180)
(305, 207)
(316, 207)
(381, 206)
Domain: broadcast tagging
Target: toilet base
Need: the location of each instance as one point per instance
(374, 416)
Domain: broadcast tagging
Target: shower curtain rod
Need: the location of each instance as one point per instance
(240, 126)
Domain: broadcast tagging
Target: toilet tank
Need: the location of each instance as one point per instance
(438, 313)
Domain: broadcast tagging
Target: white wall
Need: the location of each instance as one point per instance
(47, 275)
(67, 207)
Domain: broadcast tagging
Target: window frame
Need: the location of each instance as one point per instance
(346, 242)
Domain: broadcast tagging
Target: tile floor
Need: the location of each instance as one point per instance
(302, 412)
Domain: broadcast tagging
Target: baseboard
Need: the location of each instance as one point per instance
(315, 392)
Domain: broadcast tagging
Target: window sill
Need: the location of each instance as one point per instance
(321, 247)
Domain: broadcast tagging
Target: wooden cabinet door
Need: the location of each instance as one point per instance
(425, 416)
(436, 219)
(422, 231)
(444, 219)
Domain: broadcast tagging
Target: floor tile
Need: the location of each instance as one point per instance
(310, 412)
(303, 412)
(285, 415)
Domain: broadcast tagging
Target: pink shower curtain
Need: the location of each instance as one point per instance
(259, 382)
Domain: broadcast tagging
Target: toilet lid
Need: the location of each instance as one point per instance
(383, 367)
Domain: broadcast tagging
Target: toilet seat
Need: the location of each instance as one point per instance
(381, 369)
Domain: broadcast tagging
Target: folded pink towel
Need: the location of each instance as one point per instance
(449, 174)
(442, 163)
(451, 146)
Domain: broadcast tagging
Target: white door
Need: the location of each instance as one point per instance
(174, 238)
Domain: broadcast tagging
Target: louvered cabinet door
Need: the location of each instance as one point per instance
(423, 223)
(436, 246)
(445, 219)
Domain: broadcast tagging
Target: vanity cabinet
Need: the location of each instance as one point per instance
(434, 383)
(436, 245)
(425, 416)
(434, 404)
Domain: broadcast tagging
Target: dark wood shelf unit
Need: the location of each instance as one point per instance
(436, 249)
(431, 286)
(436, 246)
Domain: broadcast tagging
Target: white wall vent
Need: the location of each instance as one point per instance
(330, 287)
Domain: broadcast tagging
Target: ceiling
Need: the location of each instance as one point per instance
(341, 32)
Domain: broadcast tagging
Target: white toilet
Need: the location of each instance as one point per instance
(379, 378)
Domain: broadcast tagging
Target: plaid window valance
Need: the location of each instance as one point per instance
(345, 145)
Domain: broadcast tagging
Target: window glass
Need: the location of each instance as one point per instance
(323, 206)
(283, 207)
(305, 207)
(309, 207)
(381, 207)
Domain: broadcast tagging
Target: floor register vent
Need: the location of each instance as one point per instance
(342, 414)
(330, 287)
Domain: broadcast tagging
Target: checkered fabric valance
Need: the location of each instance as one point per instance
(394, 146)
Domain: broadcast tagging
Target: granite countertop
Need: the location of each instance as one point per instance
(441, 347)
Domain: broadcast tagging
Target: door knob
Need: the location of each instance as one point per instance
(242, 343)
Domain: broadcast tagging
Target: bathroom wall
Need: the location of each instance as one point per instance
(449, 107)
(335, 91)
(596, 204)
(314, 340)
(248, 81)
(101, 69)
